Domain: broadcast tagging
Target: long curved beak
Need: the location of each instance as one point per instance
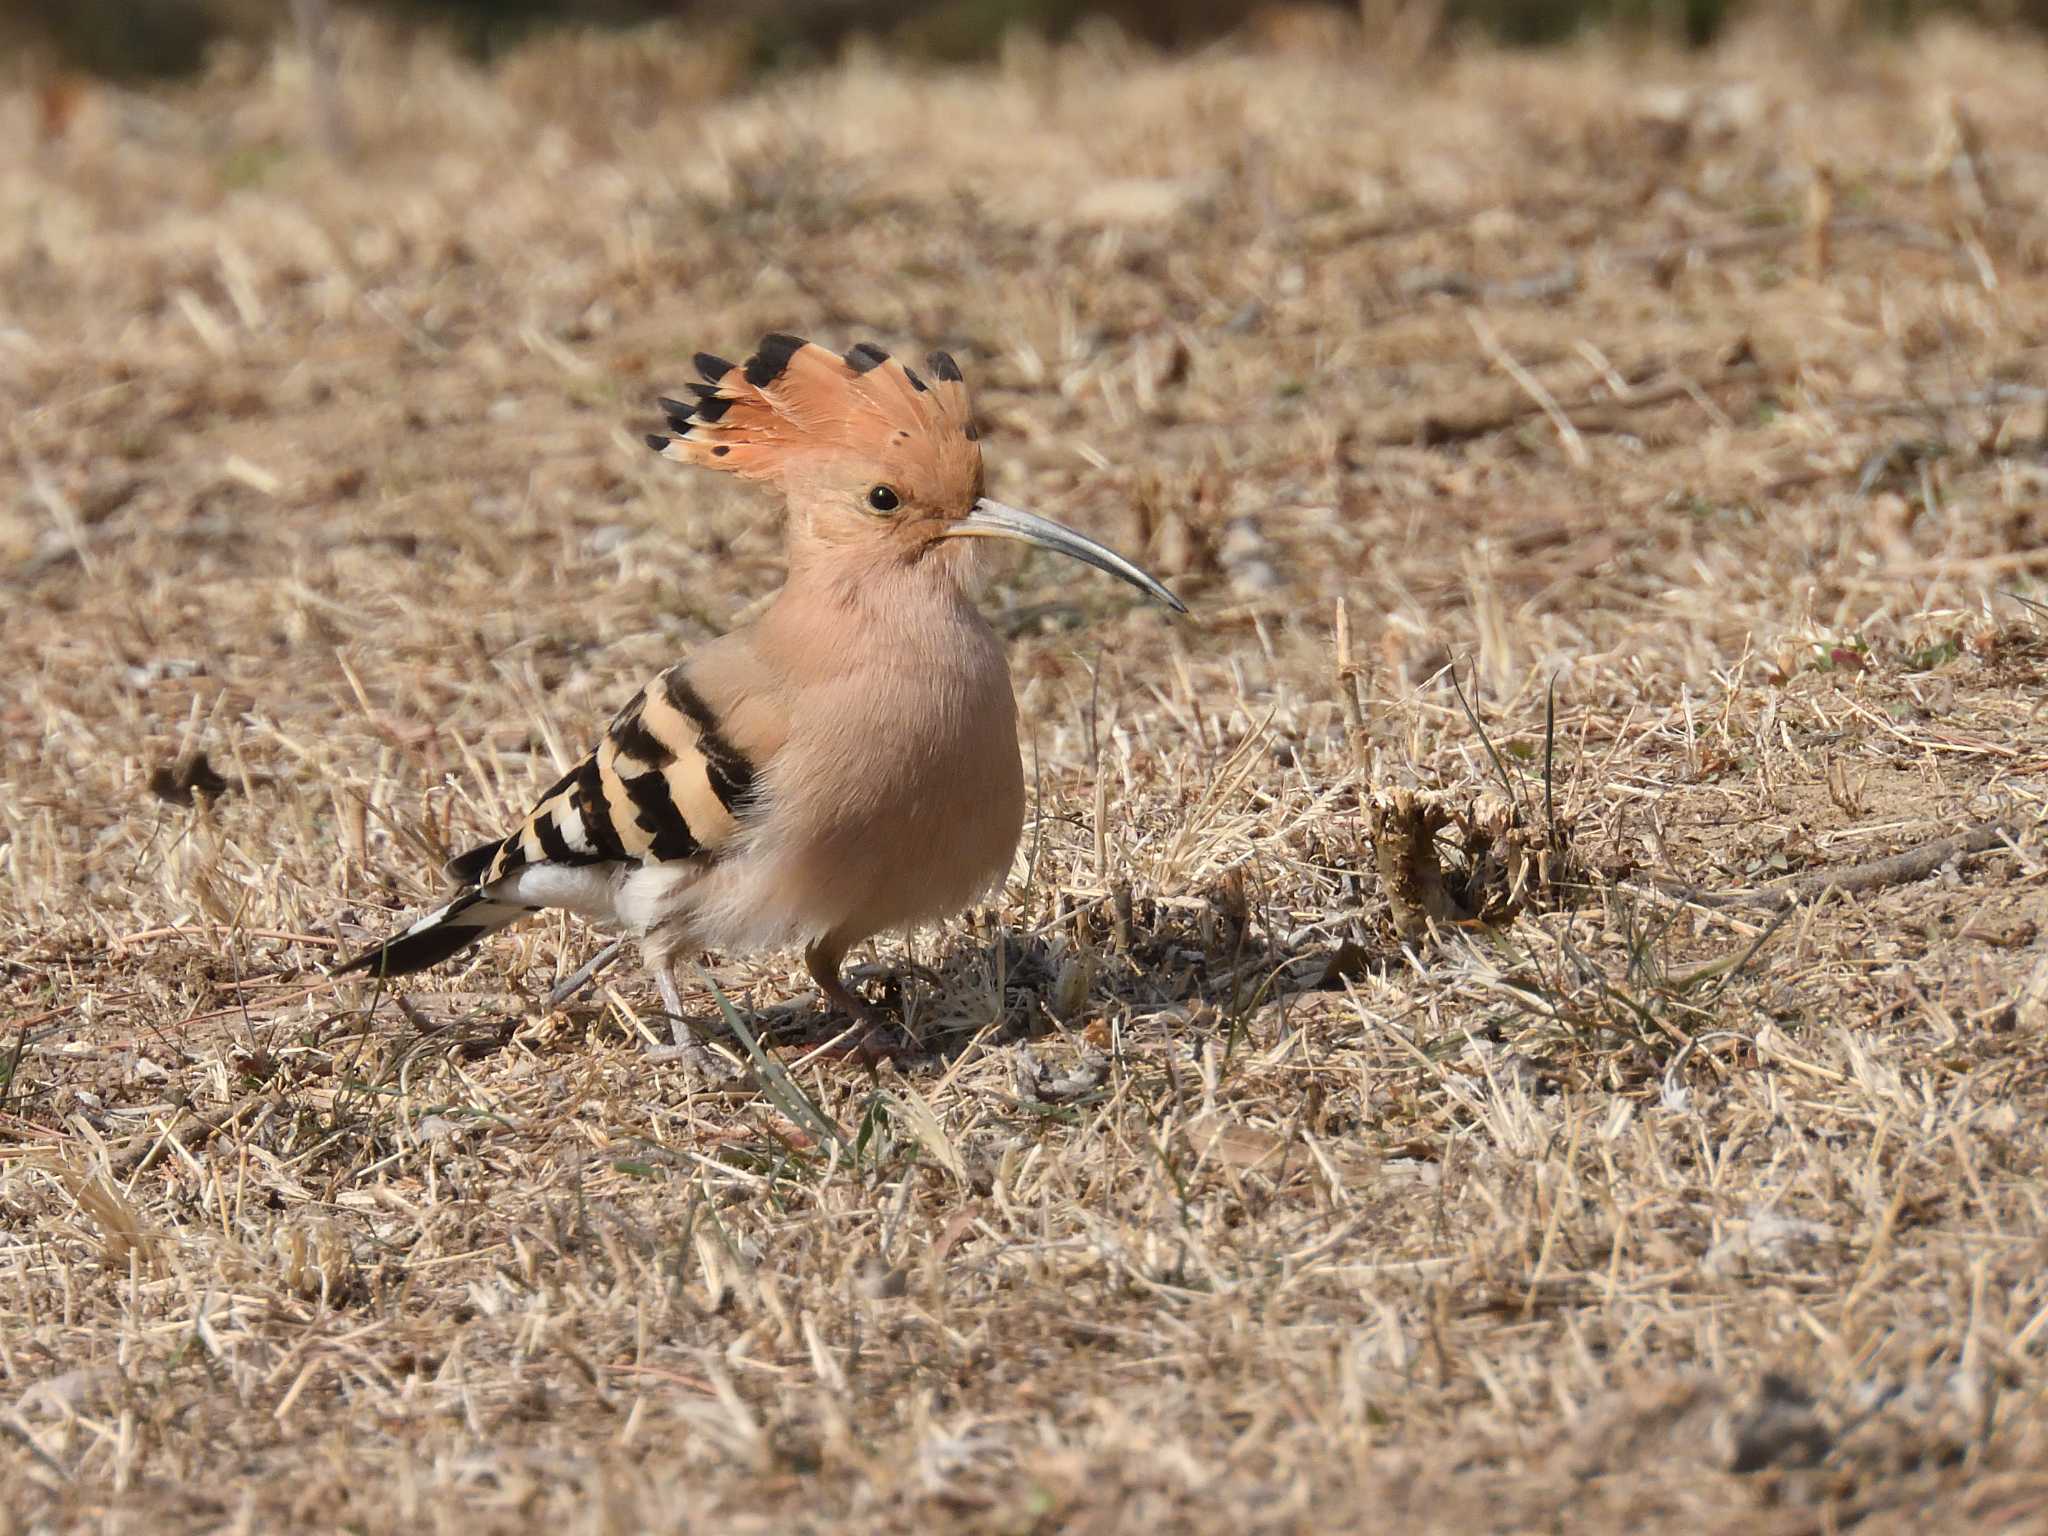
(993, 520)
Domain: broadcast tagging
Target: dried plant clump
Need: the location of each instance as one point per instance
(1501, 864)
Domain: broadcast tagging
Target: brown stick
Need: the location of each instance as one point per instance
(1602, 413)
(1894, 869)
(123, 940)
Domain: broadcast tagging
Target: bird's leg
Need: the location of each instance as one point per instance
(586, 975)
(684, 1044)
(823, 960)
(878, 1036)
(671, 1002)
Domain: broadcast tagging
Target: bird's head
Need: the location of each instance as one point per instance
(880, 463)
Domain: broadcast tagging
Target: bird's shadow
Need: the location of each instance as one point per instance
(1203, 966)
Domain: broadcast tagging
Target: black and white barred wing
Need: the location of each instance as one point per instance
(669, 785)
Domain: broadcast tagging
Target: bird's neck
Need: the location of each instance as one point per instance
(843, 615)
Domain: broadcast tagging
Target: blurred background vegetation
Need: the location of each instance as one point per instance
(139, 39)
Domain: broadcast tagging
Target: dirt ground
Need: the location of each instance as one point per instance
(1522, 1013)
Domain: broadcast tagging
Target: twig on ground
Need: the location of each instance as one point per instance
(1610, 412)
(1567, 434)
(574, 984)
(1875, 875)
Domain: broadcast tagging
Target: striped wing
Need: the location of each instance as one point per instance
(672, 782)
(666, 785)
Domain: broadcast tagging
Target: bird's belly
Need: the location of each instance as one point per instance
(939, 837)
(933, 856)
(871, 836)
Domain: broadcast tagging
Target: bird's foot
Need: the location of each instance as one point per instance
(871, 1035)
(684, 1045)
(696, 1058)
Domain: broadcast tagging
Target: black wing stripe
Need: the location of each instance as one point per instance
(655, 811)
(729, 770)
(468, 868)
(630, 735)
(597, 812)
(553, 846)
(512, 855)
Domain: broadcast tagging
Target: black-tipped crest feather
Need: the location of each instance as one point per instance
(767, 363)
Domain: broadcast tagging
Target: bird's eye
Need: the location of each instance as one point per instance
(884, 499)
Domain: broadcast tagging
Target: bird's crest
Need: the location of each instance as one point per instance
(794, 401)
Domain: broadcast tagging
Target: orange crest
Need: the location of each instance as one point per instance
(793, 405)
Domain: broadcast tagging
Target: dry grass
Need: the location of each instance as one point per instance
(1709, 391)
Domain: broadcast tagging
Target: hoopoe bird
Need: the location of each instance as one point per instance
(843, 766)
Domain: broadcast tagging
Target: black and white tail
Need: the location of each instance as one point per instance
(442, 934)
